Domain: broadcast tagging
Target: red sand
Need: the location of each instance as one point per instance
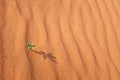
(83, 35)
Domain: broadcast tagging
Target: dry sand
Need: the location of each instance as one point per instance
(83, 35)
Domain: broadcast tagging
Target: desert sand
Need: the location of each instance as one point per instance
(82, 36)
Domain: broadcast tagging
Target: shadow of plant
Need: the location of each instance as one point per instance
(46, 55)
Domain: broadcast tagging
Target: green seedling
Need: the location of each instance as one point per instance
(30, 46)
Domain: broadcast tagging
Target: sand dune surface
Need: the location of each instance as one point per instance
(74, 39)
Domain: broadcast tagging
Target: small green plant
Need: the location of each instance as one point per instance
(30, 46)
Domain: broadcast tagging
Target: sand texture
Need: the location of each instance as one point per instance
(74, 39)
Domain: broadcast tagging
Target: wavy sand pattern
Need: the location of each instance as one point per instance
(82, 35)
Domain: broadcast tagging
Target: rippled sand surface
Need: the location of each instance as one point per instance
(80, 39)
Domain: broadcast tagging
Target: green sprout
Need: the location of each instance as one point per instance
(30, 46)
